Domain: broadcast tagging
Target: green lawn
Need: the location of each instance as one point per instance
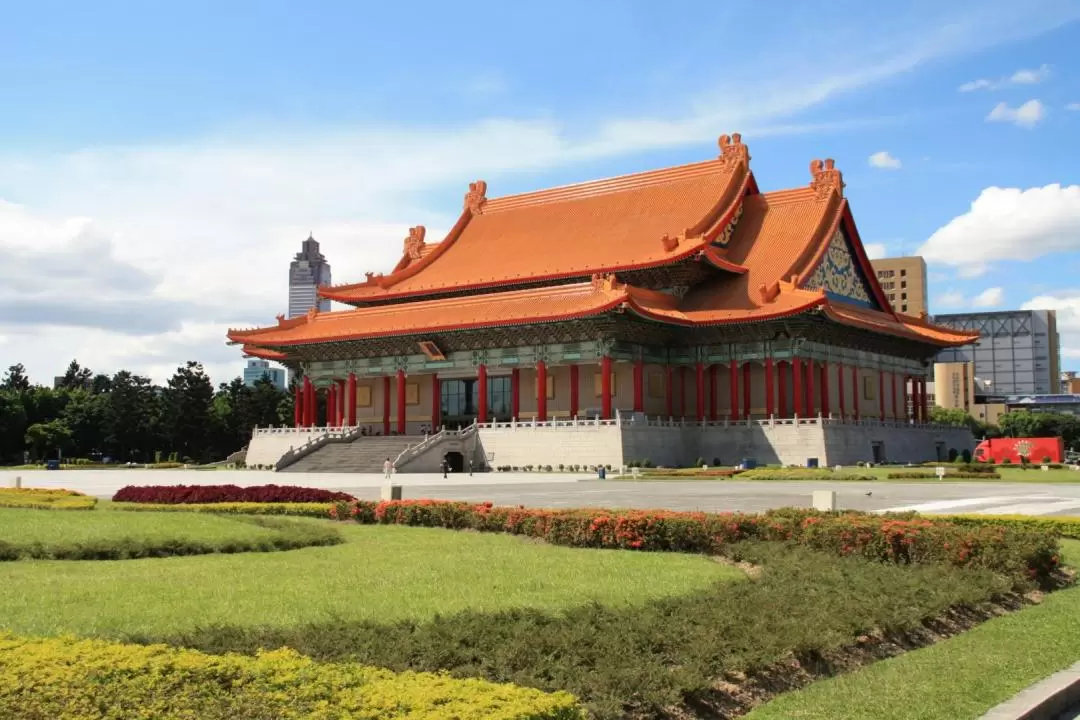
(954, 680)
(73, 527)
(1008, 475)
(380, 573)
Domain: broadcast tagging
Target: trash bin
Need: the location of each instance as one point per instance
(811, 462)
(602, 472)
(52, 465)
(749, 463)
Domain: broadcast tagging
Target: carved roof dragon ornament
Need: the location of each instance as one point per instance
(414, 243)
(476, 198)
(825, 178)
(732, 150)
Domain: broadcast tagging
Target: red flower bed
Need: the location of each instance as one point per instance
(191, 494)
(1019, 553)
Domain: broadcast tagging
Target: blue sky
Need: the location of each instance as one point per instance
(160, 164)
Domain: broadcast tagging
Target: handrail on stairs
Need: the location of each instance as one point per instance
(292, 455)
(430, 441)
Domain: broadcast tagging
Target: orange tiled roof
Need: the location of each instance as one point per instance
(643, 220)
(519, 307)
(901, 325)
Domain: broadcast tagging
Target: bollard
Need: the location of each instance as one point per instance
(824, 500)
(18, 482)
(390, 492)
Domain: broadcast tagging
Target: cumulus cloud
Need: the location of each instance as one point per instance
(1008, 224)
(875, 251)
(1020, 77)
(1027, 115)
(884, 160)
(991, 297)
(1066, 303)
(1075, 107)
(950, 299)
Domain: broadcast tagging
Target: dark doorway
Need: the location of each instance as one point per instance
(939, 450)
(455, 461)
(878, 451)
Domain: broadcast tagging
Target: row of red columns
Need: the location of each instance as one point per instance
(341, 396)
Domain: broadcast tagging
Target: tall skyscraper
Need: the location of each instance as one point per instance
(904, 281)
(256, 370)
(1018, 354)
(307, 272)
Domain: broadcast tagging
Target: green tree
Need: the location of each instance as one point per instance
(188, 400)
(49, 438)
(12, 427)
(85, 415)
(77, 376)
(16, 379)
(131, 416)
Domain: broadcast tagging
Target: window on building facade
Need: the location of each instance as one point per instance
(903, 283)
(903, 273)
(903, 308)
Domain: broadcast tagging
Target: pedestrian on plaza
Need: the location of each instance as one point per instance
(388, 469)
(470, 467)
(445, 467)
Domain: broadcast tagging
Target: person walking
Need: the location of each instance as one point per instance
(445, 467)
(388, 469)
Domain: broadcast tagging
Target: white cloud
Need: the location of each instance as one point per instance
(1027, 115)
(1020, 77)
(991, 297)
(875, 251)
(972, 269)
(950, 299)
(1075, 107)
(193, 236)
(884, 160)
(1008, 224)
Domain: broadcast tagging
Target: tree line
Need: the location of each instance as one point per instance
(127, 418)
(1017, 423)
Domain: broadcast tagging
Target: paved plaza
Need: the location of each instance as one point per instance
(581, 490)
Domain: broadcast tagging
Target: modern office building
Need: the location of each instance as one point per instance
(1018, 352)
(307, 272)
(904, 281)
(258, 369)
(954, 385)
(1070, 384)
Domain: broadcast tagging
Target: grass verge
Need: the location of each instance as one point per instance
(657, 660)
(957, 679)
(380, 573)
(34, 534)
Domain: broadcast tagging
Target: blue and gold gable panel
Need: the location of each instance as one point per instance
(840, 275)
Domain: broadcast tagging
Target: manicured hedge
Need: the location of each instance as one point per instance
(801, 473)
(197, 494)
(95, 679)
(39, 499)
(1068, 527)
(287, 535)
(949, 474)
(319, 510)
(1025, 555)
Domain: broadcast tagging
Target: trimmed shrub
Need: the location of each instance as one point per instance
(38, 499)
(949, 474)
(319, 510)
(1068, 527)
(199, 494)
(78, 679)
(965, 456)
(802, 473)
(1023, 555)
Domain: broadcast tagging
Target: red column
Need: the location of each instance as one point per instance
(840, 390)
(781, 387)
(733, 385)
(924, 410)
(341, 403)
(331, 404)
(307, 415)
(515, 394)
(541, 391)
(436, 403)
(699, 370)
(573, 390)
(481, 381)
(825, 389)
(682, 391)
(746, 389)
(669, 380)
(401, 402)
(712, 392)
(298, 405)
(855, 389)
(386, 405)
(797, 395)
(605, 387)
(896, 411)
(770, 395)
(351, 392)
(810, 409)
(881, 394)
(639, 386)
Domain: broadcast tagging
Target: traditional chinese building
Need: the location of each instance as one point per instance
(684, 308)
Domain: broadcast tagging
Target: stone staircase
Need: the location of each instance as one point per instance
(364, 454)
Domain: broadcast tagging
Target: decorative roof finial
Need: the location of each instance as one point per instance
(825, 178)
(732, 150)
(603, 282)
(312, 313)
(476, 197)
(414, 243)
(280, 320)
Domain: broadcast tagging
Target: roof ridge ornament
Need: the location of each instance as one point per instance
(414, 243)
(732, 150)
(280, 320)
(670, 242)
(476, 198)
(769, 293)
(312, 313)
(606, 282)
(825, 178)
